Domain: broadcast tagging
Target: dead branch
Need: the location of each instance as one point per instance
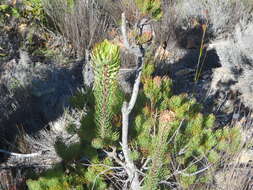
(18, 155)
(127, 107)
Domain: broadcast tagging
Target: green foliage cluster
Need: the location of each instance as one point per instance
(8, 11)
(106, 63)
(32, 10)
(151, 7)
(171, 131)
(167, 130)
(56, 179)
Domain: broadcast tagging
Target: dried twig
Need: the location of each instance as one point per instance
(21, 155)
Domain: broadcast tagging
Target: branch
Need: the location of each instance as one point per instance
(15, 166)
(128, 107)
(176, 132)
(124, 33)
(136, 50)
(195, 173)
(113, 155)
(101, 173)
(21, 155)
(145, 164)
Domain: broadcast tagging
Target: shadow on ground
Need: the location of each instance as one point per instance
(30, 109)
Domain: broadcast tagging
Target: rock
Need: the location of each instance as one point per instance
(88, 75)
(236, 71)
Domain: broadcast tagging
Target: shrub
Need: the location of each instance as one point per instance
(55, 179)
(171, 141)
(106, 62)
(82, 22)
(175, 136)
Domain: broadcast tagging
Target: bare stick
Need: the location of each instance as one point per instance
(127, 109)
(21, 155)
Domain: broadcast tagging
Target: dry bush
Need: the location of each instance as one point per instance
(236, 172)
(222, 15)
(234, 177)
(244, 37)
(113, 8)
(46, 140)
(82, 22)
(12, 179)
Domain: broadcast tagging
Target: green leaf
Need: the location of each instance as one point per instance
(4, 7)
(15, 12)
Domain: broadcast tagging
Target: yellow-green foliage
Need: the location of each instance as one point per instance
(152, 7)
(106, 63)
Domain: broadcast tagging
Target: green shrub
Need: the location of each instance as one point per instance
(7, 11)
(168, 131)
(106, 62)
(56, 179)
(172, 132)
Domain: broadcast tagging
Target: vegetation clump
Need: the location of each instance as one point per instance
(150, 138)
(177, 142)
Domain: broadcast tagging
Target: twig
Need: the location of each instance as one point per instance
(114, 156)
(9, 166)
(101, 173)
(21, 155)
(145, 164)
(176, 132)
(195, 173)
(104, 165)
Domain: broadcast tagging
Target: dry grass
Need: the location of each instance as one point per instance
(11, 180)
(83, 23)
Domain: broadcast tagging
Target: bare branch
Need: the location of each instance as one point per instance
(21, 155)
(176, 132)
(145, 164)
(136, 50)
(131, 169)
(114, 156)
